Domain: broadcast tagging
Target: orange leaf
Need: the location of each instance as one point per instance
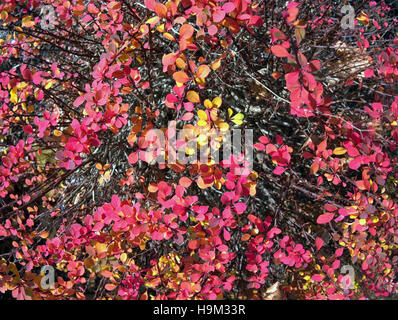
(169, 59)
(185, 182)
(44, 234)
(152, 188)
(192, 96)
(106, 273)
(180, 77)
(110, 286)
(245, 237)
(160, 9)
(314, 168)
(339, 151)
(186, 31)
(322, 146)
(203, 71)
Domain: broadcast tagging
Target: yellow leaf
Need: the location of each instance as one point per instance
(168, 36)
(190, 151)
(230, 112)
(208, 104)
(154, 20)
(202, 115)
(339, 151)
(89, 263)
(216, 64)
(223, 126)
(180, 63)
(49, 84)
(202, 139)
(123, 257)
(192, 96)
(22, 85)
(202, 123)
(238, 118)
(217, 101)
(160, 28)
(3, 15)
(27, 22)
(100, 248)
(14, 96)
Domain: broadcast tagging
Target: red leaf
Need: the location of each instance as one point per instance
(325, 218)
(276, 34)
(110, 286)
(280, 51)
(264, 139)
(78, 101)
(318, 243)
(322, 146)
(314, 168)
(227, 235)
(193, 244)
(293, 12)
(315, 65)
(339, 252)
(368, 73)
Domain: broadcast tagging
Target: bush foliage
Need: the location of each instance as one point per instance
(84, 83)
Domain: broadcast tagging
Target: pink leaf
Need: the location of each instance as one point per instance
(330, 207)
(279, 170)
(368, 73)
(133, 157)
(317, 277)
(240, 207)
(228, 7)
(78, 101)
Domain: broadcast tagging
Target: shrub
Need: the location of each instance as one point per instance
(98, 99)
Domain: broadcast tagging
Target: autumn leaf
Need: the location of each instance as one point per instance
(160, 9)
(193, 96)
(325, 218)
(180, 77)
(202, 71)
(280, 51)
(339, 151)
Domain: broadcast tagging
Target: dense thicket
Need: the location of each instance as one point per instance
(313, 216)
